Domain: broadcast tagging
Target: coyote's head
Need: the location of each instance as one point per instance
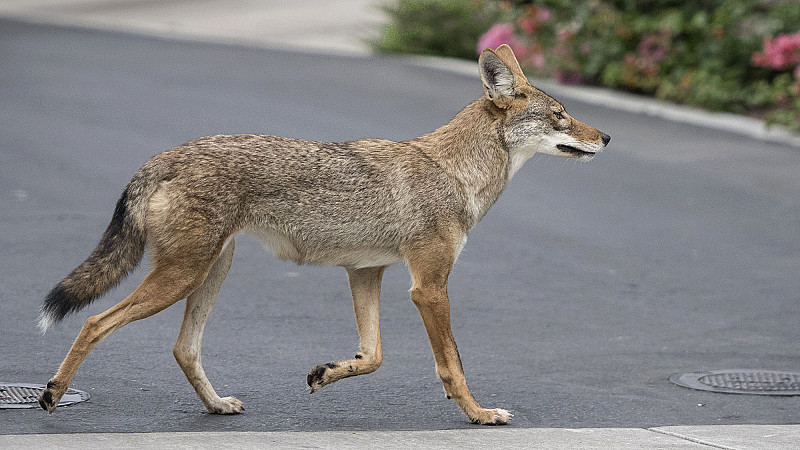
(530, 120)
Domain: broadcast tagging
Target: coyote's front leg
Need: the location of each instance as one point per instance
(365, 285)
(430, 266)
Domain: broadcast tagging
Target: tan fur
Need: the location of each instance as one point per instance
(362, 205)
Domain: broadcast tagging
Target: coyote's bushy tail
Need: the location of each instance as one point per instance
(118, 253)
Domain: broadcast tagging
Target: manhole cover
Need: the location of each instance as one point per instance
(21, 395)
(737, 381)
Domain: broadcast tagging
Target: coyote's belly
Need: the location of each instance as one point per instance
(357, 257)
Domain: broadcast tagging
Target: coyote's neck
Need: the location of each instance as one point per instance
(470, 150)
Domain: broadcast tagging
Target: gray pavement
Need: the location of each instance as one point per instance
(726, 437)
(723, 206)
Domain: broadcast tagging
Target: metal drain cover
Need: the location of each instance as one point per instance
(22, 395)
(739, 381)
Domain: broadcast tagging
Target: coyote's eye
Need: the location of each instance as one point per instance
(559, 115)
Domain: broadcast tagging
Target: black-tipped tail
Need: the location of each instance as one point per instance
(57, 305)
(117, 254)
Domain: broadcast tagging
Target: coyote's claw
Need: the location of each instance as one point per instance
(316, 378)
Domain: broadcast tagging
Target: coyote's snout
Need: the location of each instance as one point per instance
(362, 205)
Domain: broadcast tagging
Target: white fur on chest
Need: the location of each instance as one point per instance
(518, 158)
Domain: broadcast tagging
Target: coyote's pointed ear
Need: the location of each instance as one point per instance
(498, 79)
(506, 55)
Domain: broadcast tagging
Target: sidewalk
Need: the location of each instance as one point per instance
(698, 437)
(339, 28)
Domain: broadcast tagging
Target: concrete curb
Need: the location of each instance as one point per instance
(725, 437)
(729, 437)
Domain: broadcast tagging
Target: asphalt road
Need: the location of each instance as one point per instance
(584, 288)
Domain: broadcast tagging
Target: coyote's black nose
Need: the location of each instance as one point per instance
(606, 139)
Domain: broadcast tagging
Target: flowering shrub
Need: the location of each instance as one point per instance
(782, 54)
(734, 55)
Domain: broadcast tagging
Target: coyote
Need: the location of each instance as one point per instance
(362, 205)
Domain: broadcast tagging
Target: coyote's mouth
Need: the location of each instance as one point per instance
(578, 153)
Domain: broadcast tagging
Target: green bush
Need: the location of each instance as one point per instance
(437, 27)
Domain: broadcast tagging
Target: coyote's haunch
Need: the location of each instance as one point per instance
(362, 205)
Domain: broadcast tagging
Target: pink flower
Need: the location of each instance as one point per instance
(533, 19)
(501, 33)
(529, 25)
(780, 53)
(544, 14)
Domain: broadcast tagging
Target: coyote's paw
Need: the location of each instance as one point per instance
(320, 376)
(226, 405)
(50, 397)
(492, 417)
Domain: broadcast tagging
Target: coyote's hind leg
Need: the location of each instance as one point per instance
(187, 349)
(365, 285)
(163, 286)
